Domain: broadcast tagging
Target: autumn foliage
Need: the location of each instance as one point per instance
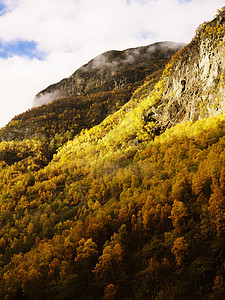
(115, 212)
(130, 230)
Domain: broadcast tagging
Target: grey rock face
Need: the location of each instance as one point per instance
(110, 71)
(194, 82)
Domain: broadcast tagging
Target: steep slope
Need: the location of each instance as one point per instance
(111, 70)
(194, 83)
(107, 82)
(120, 213)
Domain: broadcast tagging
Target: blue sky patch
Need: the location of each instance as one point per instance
(2, 8)
(20, 48)
(146, 35)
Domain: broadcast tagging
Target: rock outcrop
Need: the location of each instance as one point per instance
(194, 80)
(111, 70)
(93, 92)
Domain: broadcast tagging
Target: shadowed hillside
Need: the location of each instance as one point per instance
(112, 70)
(115, 75)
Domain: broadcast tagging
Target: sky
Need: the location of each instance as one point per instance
(44, 41)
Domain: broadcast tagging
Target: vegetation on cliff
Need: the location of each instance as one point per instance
(64, 118)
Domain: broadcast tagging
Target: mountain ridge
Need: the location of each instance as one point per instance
(69, 115)
(191, 90)
(109, 71)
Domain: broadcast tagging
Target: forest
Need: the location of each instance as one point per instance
(105, 209)
(128, 229)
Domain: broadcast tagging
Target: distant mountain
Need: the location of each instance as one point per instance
(88, 96)
(110, 71)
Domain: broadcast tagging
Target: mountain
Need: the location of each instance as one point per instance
(193, 86)
(110, 71)
(131, 208)
(93, 92)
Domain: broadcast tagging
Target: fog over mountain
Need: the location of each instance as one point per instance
(110, 70)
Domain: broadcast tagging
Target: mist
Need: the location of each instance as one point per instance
(70, 33)
(42, 99)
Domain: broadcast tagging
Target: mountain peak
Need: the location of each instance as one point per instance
(110, 70)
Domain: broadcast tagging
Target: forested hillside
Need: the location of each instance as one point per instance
(132, 208)
(87, 97)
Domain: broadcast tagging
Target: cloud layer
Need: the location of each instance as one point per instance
(68, 33)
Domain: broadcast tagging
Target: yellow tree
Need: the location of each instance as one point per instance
(179, 216)
(217, 210)
(180, 250)
(109, 267)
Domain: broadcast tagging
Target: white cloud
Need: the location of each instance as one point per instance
(71, 32)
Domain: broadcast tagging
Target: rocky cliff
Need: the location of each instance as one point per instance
(111, 70)
(93, 92)
(194, 81)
